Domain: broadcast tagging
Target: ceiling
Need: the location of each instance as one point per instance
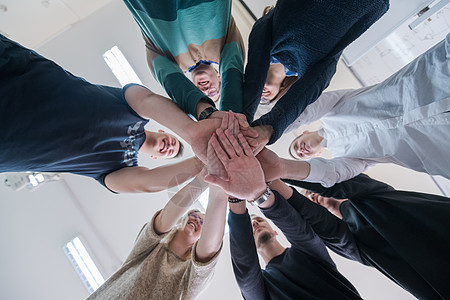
(33, 22)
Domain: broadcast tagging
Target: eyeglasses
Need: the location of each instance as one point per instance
(196, 216)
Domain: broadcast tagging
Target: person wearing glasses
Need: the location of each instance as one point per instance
(174, 254)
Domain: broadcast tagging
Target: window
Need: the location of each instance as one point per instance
(120, 67)
(83, 264)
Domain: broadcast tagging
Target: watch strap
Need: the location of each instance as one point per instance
(261, 199)
(207, 112)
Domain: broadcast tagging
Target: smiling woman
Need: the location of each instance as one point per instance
(174, 256)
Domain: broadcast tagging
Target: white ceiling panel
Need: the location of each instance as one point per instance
(32, 22)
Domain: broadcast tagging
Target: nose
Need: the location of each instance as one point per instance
(198, 219)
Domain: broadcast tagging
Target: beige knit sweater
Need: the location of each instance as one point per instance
(152, 271)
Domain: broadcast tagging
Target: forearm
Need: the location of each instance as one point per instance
(244, 257)
(313, 187)
(179, 204)
(257, 66)
(160, 109)
(331, 171)
(298, 232)
(282, 188)
(333, 231)
(239, 208)
(303, 92)
(212, 233)
(231, 91)
(322, 221)
(231, 70)
(144, 180)
(294, 169)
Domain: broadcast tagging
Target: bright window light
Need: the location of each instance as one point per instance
(203, 200)
(83, 264)
(119, 65)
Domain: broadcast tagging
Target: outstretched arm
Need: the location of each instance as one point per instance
(167, 113)
(179, 204)
(244, 257)
(333, 231)
(318, 170)
(303, 92)
(355, 187)
(144, 180)
(259, 46)
(231, 69)
(329, 171)
(211, 239)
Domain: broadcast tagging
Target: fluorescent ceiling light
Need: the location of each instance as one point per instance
(83, 264)
(119, 65)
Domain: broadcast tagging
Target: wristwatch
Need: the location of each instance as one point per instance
(261, 199)
(207, 112)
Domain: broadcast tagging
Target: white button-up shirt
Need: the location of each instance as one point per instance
(403, 120)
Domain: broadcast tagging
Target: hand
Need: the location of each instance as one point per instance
(246, 130)
(258, 143)
(271, 164)
(242, 119)
(246, 177)
(213, 164)
(199, 134)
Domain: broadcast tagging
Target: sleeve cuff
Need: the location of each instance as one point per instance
(318, 172)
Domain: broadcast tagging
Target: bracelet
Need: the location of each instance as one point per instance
(234, 200)
(263, 197)
(206, 112)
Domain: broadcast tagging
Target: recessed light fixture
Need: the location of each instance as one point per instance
(120, 67)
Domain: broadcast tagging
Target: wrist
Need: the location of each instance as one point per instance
(207, 112)
(268, 203)
(261, 197)
(238, 208)
(201, 106)
(267, 130)
(298, 170)
(284, 168)
(234, 200)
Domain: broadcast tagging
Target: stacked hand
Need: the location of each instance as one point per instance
(232, 164)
